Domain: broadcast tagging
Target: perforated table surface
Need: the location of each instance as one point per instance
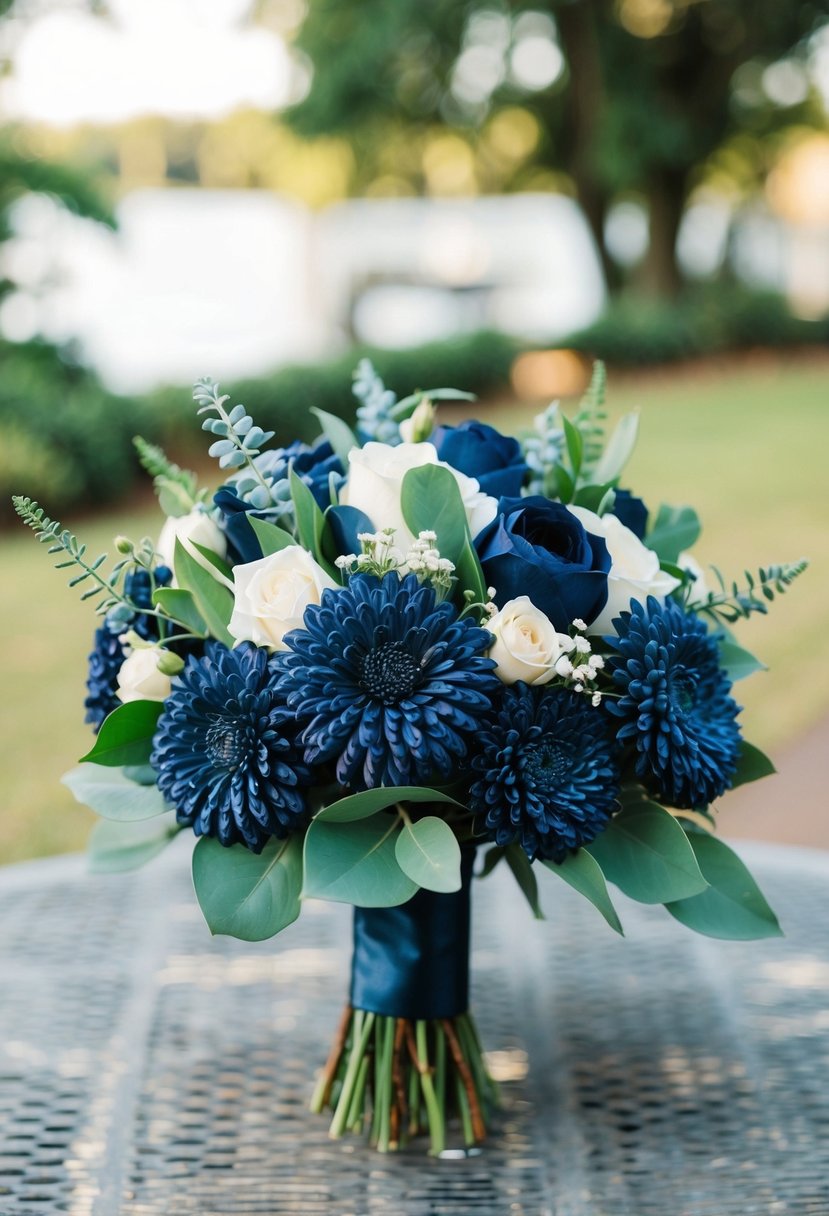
(148, 1070)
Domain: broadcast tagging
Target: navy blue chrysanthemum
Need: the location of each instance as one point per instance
(548, 773)
(389, 683)
(108, 652)
(674, 705)
(224, 751)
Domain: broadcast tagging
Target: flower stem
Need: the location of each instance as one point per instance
(433, 1109)
(363, 1025)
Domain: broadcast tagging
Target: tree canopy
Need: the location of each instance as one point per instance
(625, 97)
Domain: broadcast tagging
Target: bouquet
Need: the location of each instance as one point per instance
(364, 666)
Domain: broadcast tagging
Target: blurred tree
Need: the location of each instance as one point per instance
(631, 97)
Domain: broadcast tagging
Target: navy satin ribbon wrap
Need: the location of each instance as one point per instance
(413, 961)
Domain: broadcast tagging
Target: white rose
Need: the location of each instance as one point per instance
(634, 569)
(375, 478)
(700, 589)
(527, 645)
(271, 595)
(139, 678)
(196, 528)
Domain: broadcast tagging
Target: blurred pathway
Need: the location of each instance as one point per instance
(792, 806)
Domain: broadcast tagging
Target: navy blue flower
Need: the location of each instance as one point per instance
(108, 653)
(313, 465)
(548, 773)
(495, 460)
(224, 751)
(631, 511)
(390, 684)
(674, 706)
(538, 548)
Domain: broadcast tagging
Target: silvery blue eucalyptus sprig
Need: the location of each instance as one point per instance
(374, 417)
(238, 445)
(543, 450)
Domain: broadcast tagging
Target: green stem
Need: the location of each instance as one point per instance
(466, 1116)
(383, 1073)
(363, 1024)
(356, 1110)
(434, 1113)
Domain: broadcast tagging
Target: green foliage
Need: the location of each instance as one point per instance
(213, 600)
(117, 847)
(674, 530)
(62, 436)
(737, 602)
(251, 896)
(369, 802)
(583, 873)
(636, 330)
(591, 418)
(111, 793)
(645, 852)
(64, 544)
(428, 852)
(524, 875)
(356, 863)
(126, 735)
(271, 537)
(737, 661)
(732, 907)
(752, 765)
(177, 489)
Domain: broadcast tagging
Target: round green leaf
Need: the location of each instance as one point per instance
(429, 853)
(251, 896)
(355, 863)
(109, 792)
(117, 847)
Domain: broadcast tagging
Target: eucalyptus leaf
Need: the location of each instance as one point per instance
(524, 875)
(584, 874)
(117, 847)
(428, 852)
(645, 852)
(431, 501)
(674, 530)
(738, 662)
(752, 765)
(618, 450)
(369, 802)
(250, 896)
(126, 735)
(214, 562)
(272, 539)
(213, 599)
(355, 863)
(338, 433)
(111, 793)
(733, 906)
(180, 606)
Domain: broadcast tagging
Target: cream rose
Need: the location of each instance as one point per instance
(271, 595)
(527, 646)
(196, 528)
(139, 678)
(634, 569)
(375, 478)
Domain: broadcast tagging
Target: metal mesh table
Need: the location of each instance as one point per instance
(148, 1070)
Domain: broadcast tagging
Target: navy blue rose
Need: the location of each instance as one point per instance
(538, 548)
(313, 465)
(479, 451)
(631, 512)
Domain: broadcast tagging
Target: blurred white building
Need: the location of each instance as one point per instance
(234, 283)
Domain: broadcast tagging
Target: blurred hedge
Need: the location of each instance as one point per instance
(636, 331)
(66, 441)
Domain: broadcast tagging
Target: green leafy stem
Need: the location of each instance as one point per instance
(738, 603)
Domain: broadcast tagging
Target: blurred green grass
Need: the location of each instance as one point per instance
(747, 447)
